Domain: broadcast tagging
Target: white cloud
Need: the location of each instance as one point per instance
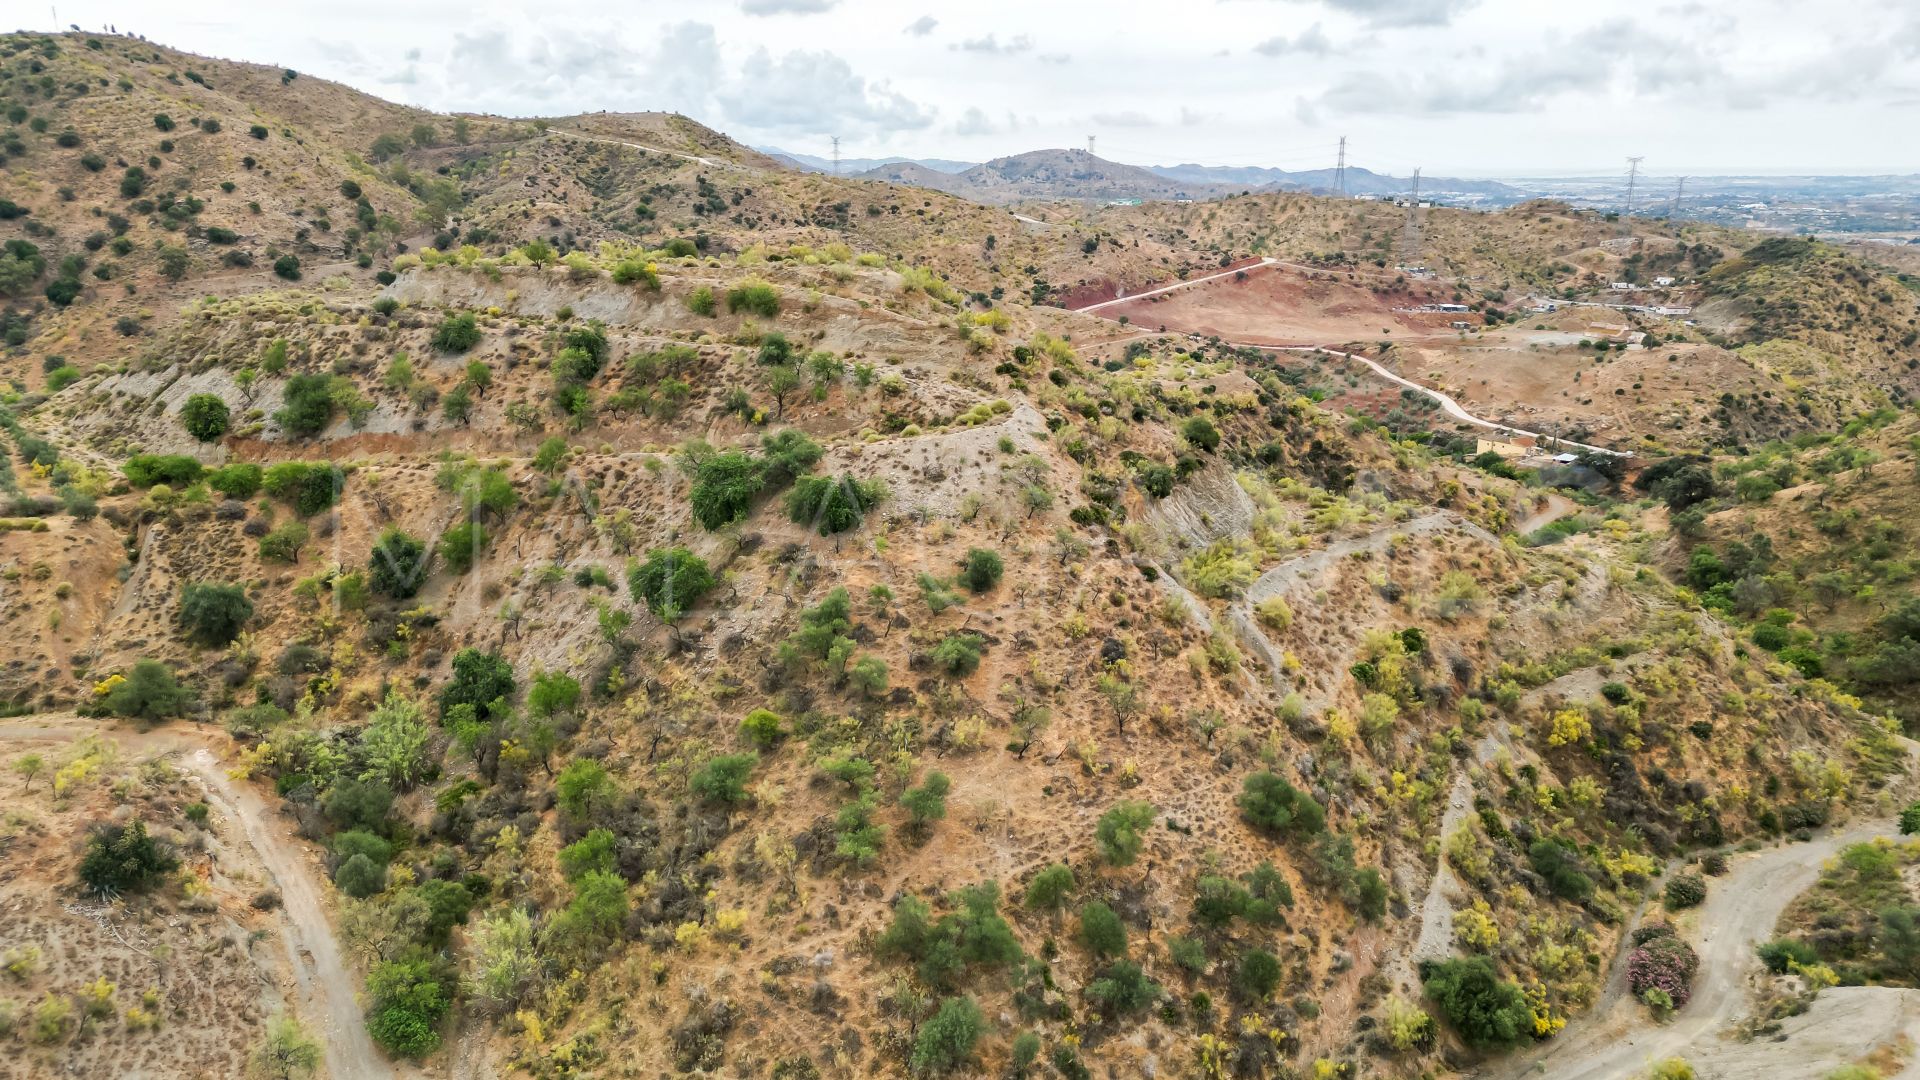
(816, 93)
(786, 7)
(1129, 119)
(1312, 41)
(922, 26)
(974, 121)
(991, 44)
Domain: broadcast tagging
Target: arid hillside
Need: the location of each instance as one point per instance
(634, 610)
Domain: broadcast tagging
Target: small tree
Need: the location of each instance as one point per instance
(285, 1052)
(762, 728)
(723, 779)
(398, 566)
(205, 416)
(1049, 889)
(670, 582)
(724, 486)
(981, 570)
(123, 859)
(149, 693)
(1121, 832)
(927, 803)
(214, 614)
(946, 1041)
(1486, 1010)
(1200, 432)
(1268, 802)
(408, 1003)
(1101, 931)
(1258, 974)
(581, 787)
(457, 333)
(957, 654)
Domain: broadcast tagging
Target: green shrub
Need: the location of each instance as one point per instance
(1050, 888)
(398, 565)
(1559, 864)
(946, 1041)
(981, 570)
(927, 803)
(754, 298)
(174, 470)
(762, 728)
(1101, 931)
(287, 267)
(595, 852)
(360, 877)
(724, 486)
(1486, 1010)
(283, 544)
(461, 544)
(1200, 432)
(457, 333)
(408, 1002)
(832, 505)
(582, 787)
(670, 582)
(239, 480)
(1257, 975)
(481, 681)
(1780, 954)
(205, 416)
(723, 779)
(1268, 802)
(149, 693)
(1123, 988)
(123, 859)
(1121, 832)
(1685, 890)
(308, 486)
(700, 301)
(306, 404)
(214, 614)
(957, 654)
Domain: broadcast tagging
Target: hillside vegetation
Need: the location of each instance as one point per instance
(712, 619)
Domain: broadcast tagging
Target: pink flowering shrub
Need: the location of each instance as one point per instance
(1665, 963)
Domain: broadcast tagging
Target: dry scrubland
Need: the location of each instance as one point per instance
(702, 618)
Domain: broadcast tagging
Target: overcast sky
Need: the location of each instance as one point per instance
(1460, 87)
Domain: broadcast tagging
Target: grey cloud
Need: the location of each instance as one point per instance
(1312, 41)
(786, 7)
(1128, 119)
(974, 122)
(816, 92)
(922, 26)
(1403, 12)
(993, 46)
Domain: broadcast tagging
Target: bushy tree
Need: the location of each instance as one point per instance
(205, 416)
(981, 570)
(457, 333)
(957, 654)
(670, 582)
(1121, 832)
(762, 727)
(832, 505)
(360, 877)
(595, 851)
(1200, 432)
(149, 693)
(214, 614)
(1486, 1010)
(946, 1041)
(927, 803)
(1050, 888)
(1123, 988)
(398, 566)
(723, 779)
(1268, 802)
(481, 680)
(582, 787)
(124, 859)
(306, 404)
(1257, 975)
(408, 1002)
(395, 743)
(1101, 931)
(724, 486)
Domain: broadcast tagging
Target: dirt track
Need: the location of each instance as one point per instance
(1616, 1039)
(325, 989)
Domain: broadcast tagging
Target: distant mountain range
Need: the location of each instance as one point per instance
(1076, 174)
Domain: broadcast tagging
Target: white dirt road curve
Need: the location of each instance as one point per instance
(1614, 1040)
(325, 988)
(1447, 403)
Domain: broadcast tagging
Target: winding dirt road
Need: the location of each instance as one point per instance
(1615, 1039)
(1447, 403)
(325, 989)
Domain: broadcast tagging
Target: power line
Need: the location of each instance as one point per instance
(1679, 189)
(1633, 177)
(836, 155)
(1410, 236)
(1340, 170)
(1089, 146)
